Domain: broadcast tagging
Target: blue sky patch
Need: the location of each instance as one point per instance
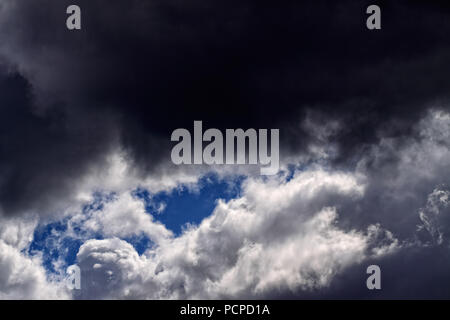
(185, 205)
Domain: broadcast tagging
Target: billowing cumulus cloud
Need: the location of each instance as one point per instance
(246, 248)
(22, 276)
(122, 216)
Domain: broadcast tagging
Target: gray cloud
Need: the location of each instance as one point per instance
(363, 118)
(140, 69)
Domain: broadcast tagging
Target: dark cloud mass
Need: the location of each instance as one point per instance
(42, 154)
(159, 65)
(140, 69)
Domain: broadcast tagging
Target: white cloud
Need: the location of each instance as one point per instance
(123, 216)
(279, 235)
(23, 277)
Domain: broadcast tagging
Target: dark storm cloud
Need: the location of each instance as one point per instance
(154, 66)
(42, 155)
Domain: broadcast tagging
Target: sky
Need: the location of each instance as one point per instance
(86, 176)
